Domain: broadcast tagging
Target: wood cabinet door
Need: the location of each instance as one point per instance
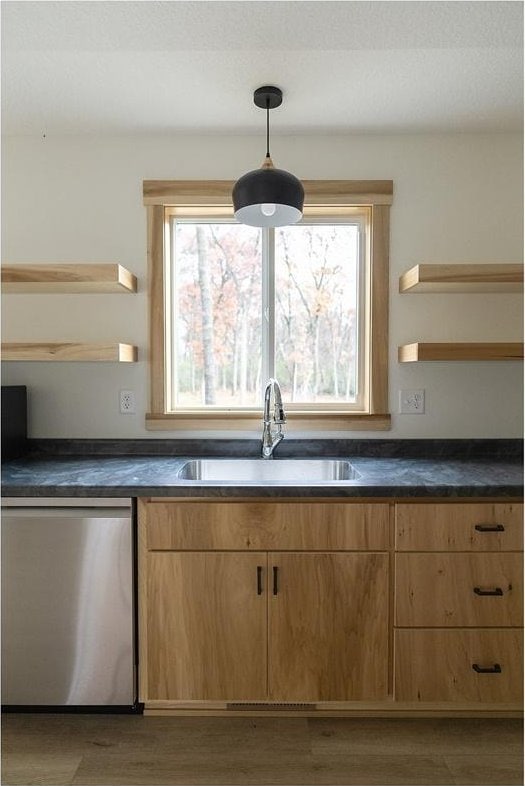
(328, 626)
(206, 620)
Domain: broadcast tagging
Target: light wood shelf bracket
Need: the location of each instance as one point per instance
(462, 279)
(68, 278)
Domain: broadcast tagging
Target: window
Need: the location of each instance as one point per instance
(248, 304)
(233, 305)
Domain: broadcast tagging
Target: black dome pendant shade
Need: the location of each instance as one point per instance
(268, 197)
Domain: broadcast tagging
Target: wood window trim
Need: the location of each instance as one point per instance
(161, 195)
(218, 192)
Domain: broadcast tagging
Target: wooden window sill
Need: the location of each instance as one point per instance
(296, 421)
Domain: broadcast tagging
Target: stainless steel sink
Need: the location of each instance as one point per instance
(268, 471)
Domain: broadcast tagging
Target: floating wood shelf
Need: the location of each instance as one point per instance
(120, 353)
(412, 353)
(462, 278)
(72, 278)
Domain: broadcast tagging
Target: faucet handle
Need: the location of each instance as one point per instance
(278, 413)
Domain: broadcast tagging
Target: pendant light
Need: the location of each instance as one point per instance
(268, 197)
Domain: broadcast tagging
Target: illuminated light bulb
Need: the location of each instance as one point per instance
(267, 209)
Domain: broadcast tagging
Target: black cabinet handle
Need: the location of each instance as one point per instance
(259, 580)
(275, 580)
(496, 591)
(496, 669)
(490, 528)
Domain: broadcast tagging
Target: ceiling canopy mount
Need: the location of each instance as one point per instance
(268, 97)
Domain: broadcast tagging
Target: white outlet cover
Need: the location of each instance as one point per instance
(127, 402)
(412, 402)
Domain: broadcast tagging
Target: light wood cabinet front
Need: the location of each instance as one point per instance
(458, 602)
(271, 526)
(252, 606)
(461, 526)
(206, 623)
(328, 627)
(458, 590)
(458, 665)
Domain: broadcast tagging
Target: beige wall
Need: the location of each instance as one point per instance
(457, 198)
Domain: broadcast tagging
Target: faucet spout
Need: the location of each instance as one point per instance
(272, 424)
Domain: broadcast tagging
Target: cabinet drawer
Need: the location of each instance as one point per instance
(447, 590)
(265, 525)
(437, 665)
(466, 526)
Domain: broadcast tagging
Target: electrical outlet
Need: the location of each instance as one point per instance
(412, 402)
(127, 402)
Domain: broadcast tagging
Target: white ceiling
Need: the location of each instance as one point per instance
(75, 67)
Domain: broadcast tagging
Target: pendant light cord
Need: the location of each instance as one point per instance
(267, 128)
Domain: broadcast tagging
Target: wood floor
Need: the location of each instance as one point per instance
(109, 750)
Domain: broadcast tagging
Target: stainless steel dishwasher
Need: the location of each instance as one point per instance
(68, 620)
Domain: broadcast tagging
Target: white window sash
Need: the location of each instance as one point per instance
(268, 316)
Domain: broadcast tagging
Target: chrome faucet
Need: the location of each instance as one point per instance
(272, 436)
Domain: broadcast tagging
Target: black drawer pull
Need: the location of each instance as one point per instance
(496, 669)
(490, 528)
(259, 580)
(496, 591)
(275, 580)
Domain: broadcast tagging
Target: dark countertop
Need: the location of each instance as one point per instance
(102, 475)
